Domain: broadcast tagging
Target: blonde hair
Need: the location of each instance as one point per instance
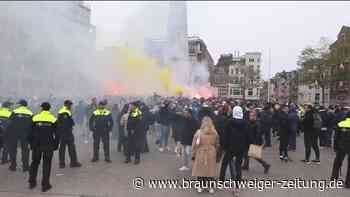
(207, 125)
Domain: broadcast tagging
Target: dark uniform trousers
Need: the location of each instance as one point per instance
(135, 144)
(98, 137)
(67, 142)
(5, 152)
(46, 156)
(338, 161)
(25, 152)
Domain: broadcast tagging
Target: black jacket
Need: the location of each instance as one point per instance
(188, 132)
(266, 120)
(178, 125)
(255, 134)
(65, 124)
(236, 137)
(164, 117)
(325, 118)
(101, 121)
(220, 123)
(342, 136)
(20, 123)
(308, 123)
(284, 125)
(136, 126)
(43, 135)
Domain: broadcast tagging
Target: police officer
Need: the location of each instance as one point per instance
(65, 124)
(5, 113)
(135, 136)
(101, 124)
(43, 141)
(342, 148)
(19, 128)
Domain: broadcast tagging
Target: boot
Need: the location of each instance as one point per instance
(62, 165)
(12, 168)
(46, 188)
(32, 185)
(266, 168)
(245, 164)
(75, 165)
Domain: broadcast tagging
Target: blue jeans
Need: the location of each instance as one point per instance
(164, 135)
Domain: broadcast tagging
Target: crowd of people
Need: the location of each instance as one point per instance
(206, 132)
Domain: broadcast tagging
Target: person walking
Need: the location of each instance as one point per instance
(284, 129)
(311, 124)
(187, 134)
(236, 143)
(293, 119)
(255, 137)
(266, 124)
(204, 148)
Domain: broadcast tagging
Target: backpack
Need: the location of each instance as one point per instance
(317, 121)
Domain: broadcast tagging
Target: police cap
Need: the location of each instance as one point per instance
(23, 102)
(6, 104)
(103, 103)
(45, 106)
(68, 103)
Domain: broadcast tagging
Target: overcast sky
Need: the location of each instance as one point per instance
(284, 27)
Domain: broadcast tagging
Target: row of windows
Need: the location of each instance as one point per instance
(253, 60)
(237, 91)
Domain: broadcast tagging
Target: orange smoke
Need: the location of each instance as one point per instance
(202, 91)
(112, 89)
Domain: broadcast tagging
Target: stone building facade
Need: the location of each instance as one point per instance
(238, 76)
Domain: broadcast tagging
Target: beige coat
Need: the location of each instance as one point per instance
(205, 154)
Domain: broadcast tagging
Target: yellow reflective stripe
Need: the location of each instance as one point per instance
(344, 123)
(23, 110)
(136, 113)
(5, 113)
(103, 112)
(64, 110)
(44, 116)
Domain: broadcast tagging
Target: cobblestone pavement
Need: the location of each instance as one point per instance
(115, 179)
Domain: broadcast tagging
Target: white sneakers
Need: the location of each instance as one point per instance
(184, 168)
(163, 149)
(211, 190)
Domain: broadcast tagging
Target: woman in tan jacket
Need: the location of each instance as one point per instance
(204, 147)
